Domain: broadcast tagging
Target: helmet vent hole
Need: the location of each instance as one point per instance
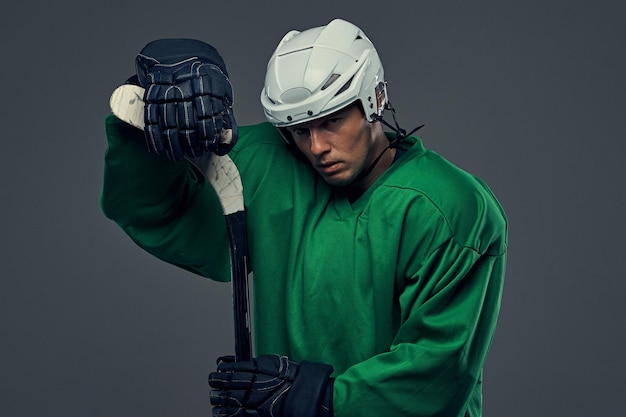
(345, 86)
(330, 80)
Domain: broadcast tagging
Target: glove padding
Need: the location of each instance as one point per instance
(271, 386)
(188, 99)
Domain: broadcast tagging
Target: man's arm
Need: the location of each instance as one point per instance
(434, 366)
(166, 207)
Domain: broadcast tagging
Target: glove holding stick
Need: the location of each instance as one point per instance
(271, 386)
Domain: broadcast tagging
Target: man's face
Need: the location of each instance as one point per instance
(341, 145)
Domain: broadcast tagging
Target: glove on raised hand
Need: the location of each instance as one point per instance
(188, 98)
(271, 386)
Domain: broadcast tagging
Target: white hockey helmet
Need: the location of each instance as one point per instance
(321, 70)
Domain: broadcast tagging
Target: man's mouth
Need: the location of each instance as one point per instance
(329, 167)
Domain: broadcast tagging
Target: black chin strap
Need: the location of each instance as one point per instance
(400, 135)
(369, 169)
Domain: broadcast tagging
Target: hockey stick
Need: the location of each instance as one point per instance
(127, 104)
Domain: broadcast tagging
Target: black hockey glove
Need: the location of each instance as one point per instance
(188, 98)
(271, 386)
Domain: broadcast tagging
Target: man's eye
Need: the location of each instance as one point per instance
(333, 123)
(299, 132)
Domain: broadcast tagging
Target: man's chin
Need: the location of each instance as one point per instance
(338, 181)
(340, 178)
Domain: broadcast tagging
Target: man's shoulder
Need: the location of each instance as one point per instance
(464, 200)
(263, 146)
(260, 133)
(429, 173)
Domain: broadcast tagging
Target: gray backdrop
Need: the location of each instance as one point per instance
(529, 95)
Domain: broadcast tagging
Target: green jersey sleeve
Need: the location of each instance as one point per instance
(167, 208)
(448, 312)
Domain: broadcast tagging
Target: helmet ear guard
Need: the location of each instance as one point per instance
(380, 103)
(284, 132)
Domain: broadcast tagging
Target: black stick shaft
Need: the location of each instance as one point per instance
(236, 225)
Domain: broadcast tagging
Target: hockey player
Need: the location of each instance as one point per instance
(378, 265)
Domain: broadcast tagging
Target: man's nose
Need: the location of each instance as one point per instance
(319, 142)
